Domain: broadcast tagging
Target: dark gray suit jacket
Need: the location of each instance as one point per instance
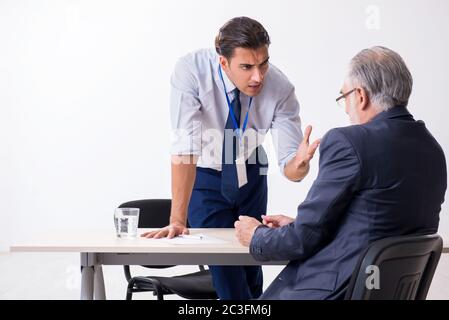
(384, 178)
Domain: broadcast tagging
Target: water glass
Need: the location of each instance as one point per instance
(126, 221)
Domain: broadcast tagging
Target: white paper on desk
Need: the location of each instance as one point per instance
(192, 239)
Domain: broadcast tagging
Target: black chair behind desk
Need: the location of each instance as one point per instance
(406, 266)
(155, 213)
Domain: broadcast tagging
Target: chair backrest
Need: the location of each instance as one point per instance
(154, 213)
(404, 265)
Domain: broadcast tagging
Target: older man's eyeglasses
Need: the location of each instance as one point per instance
(341, 99)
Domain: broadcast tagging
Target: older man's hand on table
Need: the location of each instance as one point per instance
(244, 229)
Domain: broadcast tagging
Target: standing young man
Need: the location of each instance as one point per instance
(222, 101)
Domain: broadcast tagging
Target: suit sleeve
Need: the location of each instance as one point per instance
(317, 219)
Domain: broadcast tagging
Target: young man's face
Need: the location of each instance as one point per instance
(247, 69)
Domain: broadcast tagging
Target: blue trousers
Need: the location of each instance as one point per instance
(209, 209)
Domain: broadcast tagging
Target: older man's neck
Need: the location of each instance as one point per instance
(369, 113)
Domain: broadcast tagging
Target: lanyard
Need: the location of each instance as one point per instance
(234, 120)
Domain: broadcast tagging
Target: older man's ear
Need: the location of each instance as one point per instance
(362, 99)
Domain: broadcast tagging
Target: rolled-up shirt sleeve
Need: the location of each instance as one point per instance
(185, 111)
(286, 129)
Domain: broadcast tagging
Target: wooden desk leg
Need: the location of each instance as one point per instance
(99, 290)
(87, 282)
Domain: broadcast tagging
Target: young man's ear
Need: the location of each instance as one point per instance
(224, 63)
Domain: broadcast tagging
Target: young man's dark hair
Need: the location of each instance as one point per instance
(240, 32)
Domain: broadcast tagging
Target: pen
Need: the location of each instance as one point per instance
(192, 236)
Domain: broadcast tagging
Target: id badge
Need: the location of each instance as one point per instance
(241, 171)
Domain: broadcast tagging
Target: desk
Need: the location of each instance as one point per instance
(104, 248)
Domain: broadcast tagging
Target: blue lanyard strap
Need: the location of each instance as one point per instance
(234, 120)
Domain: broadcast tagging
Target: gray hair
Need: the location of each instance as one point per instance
(384, 75)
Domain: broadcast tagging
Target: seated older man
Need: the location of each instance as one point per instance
(383, 176)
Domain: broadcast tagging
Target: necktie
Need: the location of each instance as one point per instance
(229, 181)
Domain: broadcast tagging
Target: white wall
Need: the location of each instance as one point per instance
(84, 89)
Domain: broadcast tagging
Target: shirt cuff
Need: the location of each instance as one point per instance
(284, 163)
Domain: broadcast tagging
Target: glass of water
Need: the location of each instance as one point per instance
(126, 221)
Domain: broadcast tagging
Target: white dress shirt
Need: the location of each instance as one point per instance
(199, 110)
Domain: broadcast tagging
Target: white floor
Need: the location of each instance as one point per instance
(57, 276)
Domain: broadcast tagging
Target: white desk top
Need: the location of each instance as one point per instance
(101, 241)
(106, 241)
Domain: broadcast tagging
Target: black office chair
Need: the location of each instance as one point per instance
(406, 266)
(155, 213)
